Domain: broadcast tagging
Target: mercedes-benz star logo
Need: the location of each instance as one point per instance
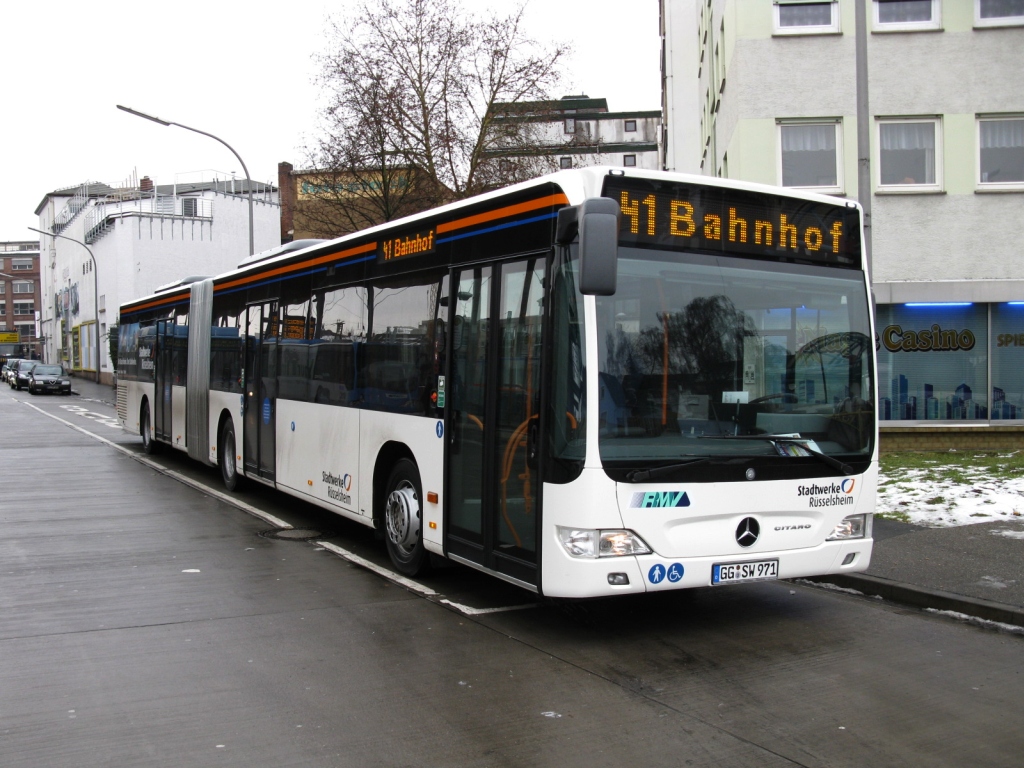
(747, 532)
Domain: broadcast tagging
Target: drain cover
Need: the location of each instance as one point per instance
(293, 534)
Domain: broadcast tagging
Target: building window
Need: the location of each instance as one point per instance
(24, 307)
(906, 15)
(629, 161)
(1001, 153)
(569, 125)
(908, 152)
(21, 264)
(26, 331)
(998, 13)
(806, 17)
(565, 162)
(630, 126)
(189, 206)
(810, 155)
(3, 287)
(3, 308)
(23, 286)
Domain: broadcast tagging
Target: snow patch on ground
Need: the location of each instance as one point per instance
(930, 498)
(997, 625)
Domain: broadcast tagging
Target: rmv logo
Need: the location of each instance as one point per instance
(660, 499)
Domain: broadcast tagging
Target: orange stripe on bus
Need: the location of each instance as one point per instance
(501, 213)
(163, 300)
(296, 267)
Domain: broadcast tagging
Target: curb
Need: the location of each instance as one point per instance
(921, 597)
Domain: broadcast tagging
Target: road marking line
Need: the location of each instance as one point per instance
(227, 499)
(379, 570)
(414, 585)
(480, 611)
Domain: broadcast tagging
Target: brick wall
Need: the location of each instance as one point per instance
(982, 438)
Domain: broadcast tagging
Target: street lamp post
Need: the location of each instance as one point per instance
(248, 181)
(95, 292)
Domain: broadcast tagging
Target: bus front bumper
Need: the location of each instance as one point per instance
(599, 577)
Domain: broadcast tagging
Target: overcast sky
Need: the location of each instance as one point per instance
(239, 70)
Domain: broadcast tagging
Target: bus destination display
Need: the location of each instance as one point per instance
(705, 218)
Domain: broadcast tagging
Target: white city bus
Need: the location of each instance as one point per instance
(598, 382)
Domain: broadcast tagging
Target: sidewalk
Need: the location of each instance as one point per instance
(87, 388)
(976, 569)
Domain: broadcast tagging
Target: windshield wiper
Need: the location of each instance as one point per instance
(833, 462)
(640, 475)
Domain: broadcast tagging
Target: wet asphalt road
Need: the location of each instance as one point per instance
(146, 623)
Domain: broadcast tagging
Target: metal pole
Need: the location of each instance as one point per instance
(248, 180)
(863, 126)
(95, 292)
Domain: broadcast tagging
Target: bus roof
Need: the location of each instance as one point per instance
(575, 186)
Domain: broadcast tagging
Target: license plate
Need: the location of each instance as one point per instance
(732, 573)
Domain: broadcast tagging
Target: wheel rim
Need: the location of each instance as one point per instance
(402, 517)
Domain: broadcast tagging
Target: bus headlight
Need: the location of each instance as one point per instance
(852, 527)
(585, 542)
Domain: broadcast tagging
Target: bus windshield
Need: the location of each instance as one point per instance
(714, 356)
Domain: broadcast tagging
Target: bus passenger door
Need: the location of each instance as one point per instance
(261, 337)
(164, 377)
(493, 477)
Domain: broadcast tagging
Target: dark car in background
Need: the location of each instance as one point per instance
(18, 377)
(48, 378)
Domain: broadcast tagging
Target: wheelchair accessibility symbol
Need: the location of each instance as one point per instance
(658, 573)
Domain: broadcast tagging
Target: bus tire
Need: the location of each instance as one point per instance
(403, 519)
(148, 443)
(226, 447)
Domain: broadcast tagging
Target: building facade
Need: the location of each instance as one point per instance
(19, 299)
(137, 238)
(765, 90)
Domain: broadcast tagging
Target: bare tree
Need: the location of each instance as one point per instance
(409, 120)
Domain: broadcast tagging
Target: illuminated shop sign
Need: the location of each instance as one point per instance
(935, 339)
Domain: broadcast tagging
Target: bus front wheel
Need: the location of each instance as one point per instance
(403, 519)
(226, 456)
(148, 444)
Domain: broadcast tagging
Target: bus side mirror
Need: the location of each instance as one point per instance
(599, 237)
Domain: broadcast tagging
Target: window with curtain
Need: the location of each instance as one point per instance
(998, 12)
(906, 14)
(809, 155)
(907, 153)
(1001, 151)
(804, 17)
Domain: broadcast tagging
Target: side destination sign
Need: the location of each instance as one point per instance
(719, 219)
(415, 244)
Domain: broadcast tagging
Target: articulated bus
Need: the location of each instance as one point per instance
(599, 382)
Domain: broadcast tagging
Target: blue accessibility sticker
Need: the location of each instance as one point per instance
(440, 429)
(266, 410)
(658, 573)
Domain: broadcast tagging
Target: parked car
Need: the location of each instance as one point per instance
(6, 371)
(48, 378)
(18, 377)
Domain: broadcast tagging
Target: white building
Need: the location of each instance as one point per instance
(765, 90)
(578, 131)
(142, 236)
